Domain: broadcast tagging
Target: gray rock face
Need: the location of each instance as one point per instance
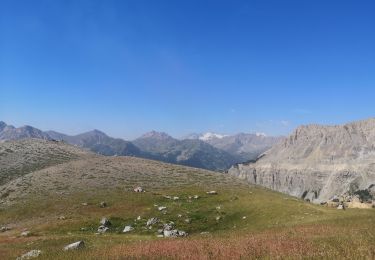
(317, 162)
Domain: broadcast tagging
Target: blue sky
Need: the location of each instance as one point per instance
(127, 67)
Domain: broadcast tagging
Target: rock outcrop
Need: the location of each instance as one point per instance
(317, 162)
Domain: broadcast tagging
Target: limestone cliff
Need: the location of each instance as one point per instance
(317, 162)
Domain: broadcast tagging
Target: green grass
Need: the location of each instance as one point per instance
(265, 212)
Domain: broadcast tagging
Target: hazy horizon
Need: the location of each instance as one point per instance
(129, 67)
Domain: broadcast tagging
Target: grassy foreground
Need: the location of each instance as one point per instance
(253, 223)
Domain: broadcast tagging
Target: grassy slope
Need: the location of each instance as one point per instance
(276, 225)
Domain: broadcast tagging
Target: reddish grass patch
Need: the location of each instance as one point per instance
(267, 244)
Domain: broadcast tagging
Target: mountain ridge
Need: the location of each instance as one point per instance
(317, 162)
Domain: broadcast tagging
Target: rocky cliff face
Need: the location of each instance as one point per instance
(317, 162)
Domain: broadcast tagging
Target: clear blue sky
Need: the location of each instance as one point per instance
(127, 67)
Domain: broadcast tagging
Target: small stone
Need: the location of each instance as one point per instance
(84, 204)
(3, 229)
(169, 226)
(103, 204)
(196, 197)
(218, 208)
(105, 222)
(31, 254)
(174, 233)
(139, 189)
(179, 216)
(160, 236)
(218, 218)
(176, 198)
(139, 218)
(188, 220)
(244, 217)
(128, 229)
(75, 246)
(212, 192)
(152, 221)
(25, 233)
(61, 218)
(162, 208)
(102, 229)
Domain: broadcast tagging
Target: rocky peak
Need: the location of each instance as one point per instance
(156, 135)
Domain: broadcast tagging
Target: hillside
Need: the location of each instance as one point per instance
(58, 204)
(317, 162)
(18, 158)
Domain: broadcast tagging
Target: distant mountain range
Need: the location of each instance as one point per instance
(244, 147)
(209, 150)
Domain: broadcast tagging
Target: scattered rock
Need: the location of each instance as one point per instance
(176, 198)
(105, 222)
(340, 206)
(212, 192)
(103, 204)
(179, 216)
(84, 204)
(167, 197)
(127, 229)
(75, 246)
(61, 218)
(83, 229)
(152, 221)
(162, 208)
(102, 229)
(4, 229)
(188, 220)
(174, 233)
(160, 235)
(196, 197)
(138, 218)
(31, 254)
(218, 218)
(218, 208)
(244, 217)
(25, 233)
(169, 226)
(139, 189)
